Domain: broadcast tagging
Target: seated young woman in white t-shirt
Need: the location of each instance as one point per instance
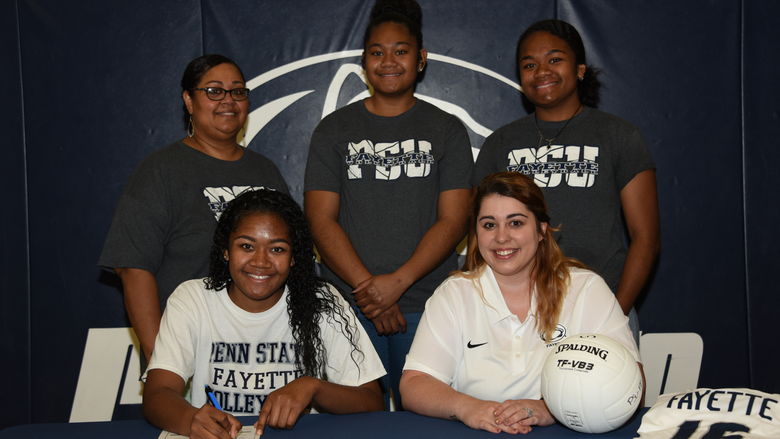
(477, 355)
(262, 333)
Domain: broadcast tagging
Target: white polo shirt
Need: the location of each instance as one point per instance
(476, 345)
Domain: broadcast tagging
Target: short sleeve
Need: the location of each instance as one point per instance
(601, 314)
(486, 160)
(344, 366)
(633, 157)
(136, 238)
(176, 343)
(435, 349)
(457, 164)
(324, 163)
(273, 176)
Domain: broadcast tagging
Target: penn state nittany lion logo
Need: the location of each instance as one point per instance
(557, 335)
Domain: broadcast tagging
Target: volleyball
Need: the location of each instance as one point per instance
(591, 383)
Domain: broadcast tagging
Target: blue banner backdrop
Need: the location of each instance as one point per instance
(93, 88)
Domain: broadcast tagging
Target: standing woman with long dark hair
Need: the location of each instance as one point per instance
(387, 186)
(594, 168)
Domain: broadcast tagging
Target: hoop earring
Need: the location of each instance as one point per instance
(190, 128)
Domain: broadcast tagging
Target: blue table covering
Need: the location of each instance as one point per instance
(377, 425)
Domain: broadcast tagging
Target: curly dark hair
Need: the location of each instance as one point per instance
(589, 88)
(309, 298)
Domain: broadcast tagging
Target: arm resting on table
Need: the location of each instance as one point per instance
(428, 396)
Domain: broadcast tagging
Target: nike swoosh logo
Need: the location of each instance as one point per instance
(472, 346)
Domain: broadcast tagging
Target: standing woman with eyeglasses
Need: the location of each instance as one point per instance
(163, 226)
(593, 167)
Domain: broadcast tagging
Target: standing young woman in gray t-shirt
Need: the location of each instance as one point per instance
(594, 168)
(387, 187)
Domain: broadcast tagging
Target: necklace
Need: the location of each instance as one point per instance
(552, 139)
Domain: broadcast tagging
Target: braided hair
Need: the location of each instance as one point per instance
(309, 299)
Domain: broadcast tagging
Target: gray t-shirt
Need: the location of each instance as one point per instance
(581, 175)
(388, 172)
(165, 220)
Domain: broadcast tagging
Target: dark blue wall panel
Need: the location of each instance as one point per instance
(762, 207)
(101, 92)
(14, 291)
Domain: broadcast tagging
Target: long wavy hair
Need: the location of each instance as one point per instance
(588, 90)
(309, 299)
(550, 273)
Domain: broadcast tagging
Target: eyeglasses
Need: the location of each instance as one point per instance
(219, 93)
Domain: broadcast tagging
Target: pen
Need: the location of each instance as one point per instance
(212, 399)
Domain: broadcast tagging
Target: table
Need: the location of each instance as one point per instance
(377, 425)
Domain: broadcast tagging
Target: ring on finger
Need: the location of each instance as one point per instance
(529, 411)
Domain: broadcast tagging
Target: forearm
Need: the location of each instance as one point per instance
(339, 399)
(337, 252)
(426, 395)
(333, 244)
(168, 410)
(639, 263)
(441, 238)
(142, 303)
(640, 208)
(435, 246)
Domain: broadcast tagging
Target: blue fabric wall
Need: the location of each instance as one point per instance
(91, 88)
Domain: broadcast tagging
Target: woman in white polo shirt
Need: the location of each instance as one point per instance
(478, 352)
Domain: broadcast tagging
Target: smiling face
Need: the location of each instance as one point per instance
(508, 236)
(549, 74)
(219, 120)
(392, 59)
(259, 258)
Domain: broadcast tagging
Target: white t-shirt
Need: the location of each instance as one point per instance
(475, 344)
(245, 356)
(700, 413)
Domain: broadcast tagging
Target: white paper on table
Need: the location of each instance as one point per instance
(246, 432)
